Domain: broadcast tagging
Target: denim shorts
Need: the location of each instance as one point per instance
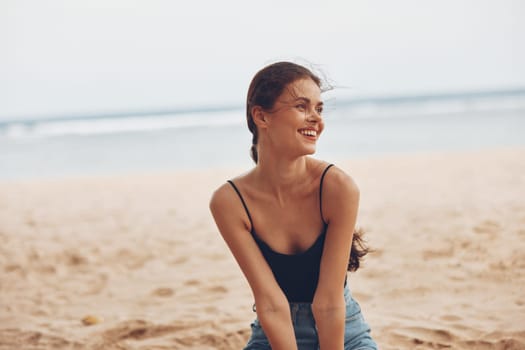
(357, 331)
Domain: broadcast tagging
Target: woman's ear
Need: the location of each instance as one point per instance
(260, 118)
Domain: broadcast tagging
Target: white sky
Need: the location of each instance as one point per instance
(59, 57)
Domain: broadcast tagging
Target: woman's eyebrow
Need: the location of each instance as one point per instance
(307, 100)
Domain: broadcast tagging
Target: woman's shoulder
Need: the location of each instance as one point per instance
(221, 194)
(331, 170)
(226, 205)
(338, 181)
(340, 194)
(332, 177)
(225, 193)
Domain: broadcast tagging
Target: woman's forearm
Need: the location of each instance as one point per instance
(330, 323)
(278, 328)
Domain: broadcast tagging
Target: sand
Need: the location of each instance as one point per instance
(140, 257)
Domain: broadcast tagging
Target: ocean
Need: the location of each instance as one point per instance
(206, 138)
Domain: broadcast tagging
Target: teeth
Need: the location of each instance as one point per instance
(307, 132)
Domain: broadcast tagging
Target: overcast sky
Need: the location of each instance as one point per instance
(79, 57)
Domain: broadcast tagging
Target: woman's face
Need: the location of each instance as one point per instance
(295, 122)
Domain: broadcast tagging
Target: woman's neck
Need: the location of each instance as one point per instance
(280, 177)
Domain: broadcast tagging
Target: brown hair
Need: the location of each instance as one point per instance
(358, 251)
(266, 86)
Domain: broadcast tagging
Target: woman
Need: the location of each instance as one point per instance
(289, 222)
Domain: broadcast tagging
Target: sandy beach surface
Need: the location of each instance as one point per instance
(135, 262)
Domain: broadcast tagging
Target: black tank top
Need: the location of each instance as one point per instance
(296, 274)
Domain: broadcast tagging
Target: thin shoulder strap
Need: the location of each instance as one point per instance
(321, 192)
(243, 202)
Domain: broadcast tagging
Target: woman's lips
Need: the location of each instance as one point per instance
(310, 133)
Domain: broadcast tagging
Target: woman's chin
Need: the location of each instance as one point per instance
(309, 151)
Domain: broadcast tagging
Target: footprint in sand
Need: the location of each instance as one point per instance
(210, 309)
(438, 253)
(14, 338)
(163, 292)
(229, 340)
(451, 318)
(487, 227)
(436, 338)
(13, 268)
(192, 283)
(217, 289)
(75, 259)
(137, 329)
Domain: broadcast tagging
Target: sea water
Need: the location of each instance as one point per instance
(218, 137)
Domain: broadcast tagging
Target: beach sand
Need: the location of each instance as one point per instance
(141, 258)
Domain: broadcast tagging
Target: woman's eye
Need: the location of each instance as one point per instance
(319, 110)
(301, 107)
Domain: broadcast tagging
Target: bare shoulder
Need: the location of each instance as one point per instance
(340, 192)
(227, 209)
(223, 200)
(221, 196)
(225, 193)
(337, 180)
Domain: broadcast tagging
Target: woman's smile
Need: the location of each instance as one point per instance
(309, 133)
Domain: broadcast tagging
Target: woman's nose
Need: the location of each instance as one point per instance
(314, 116)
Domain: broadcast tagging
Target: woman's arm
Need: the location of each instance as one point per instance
(340, 205)
(273, 309)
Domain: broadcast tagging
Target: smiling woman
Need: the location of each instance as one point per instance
(295, 116)
(289, 222)
(264, 94)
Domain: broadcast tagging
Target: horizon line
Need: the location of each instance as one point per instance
(347, 101)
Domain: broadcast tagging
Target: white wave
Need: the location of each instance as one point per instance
(426, 108)
(352, 111)
(110, 125)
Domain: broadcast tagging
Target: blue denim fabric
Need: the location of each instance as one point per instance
(357, 331)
